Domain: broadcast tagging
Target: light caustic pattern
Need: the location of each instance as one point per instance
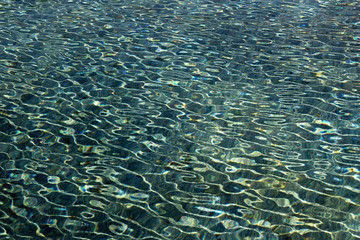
(179, 119)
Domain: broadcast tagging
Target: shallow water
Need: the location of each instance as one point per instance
(179, 119)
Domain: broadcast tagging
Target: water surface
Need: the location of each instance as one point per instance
(179, 119)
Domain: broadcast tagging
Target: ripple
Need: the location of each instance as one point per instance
(177, 120)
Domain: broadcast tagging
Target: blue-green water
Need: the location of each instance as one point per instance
(179, 119)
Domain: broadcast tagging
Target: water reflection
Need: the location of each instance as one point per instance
(179, 120)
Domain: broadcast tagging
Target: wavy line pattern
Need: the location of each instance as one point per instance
(194, 119)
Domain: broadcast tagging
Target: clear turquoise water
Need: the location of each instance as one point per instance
(179, 119)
